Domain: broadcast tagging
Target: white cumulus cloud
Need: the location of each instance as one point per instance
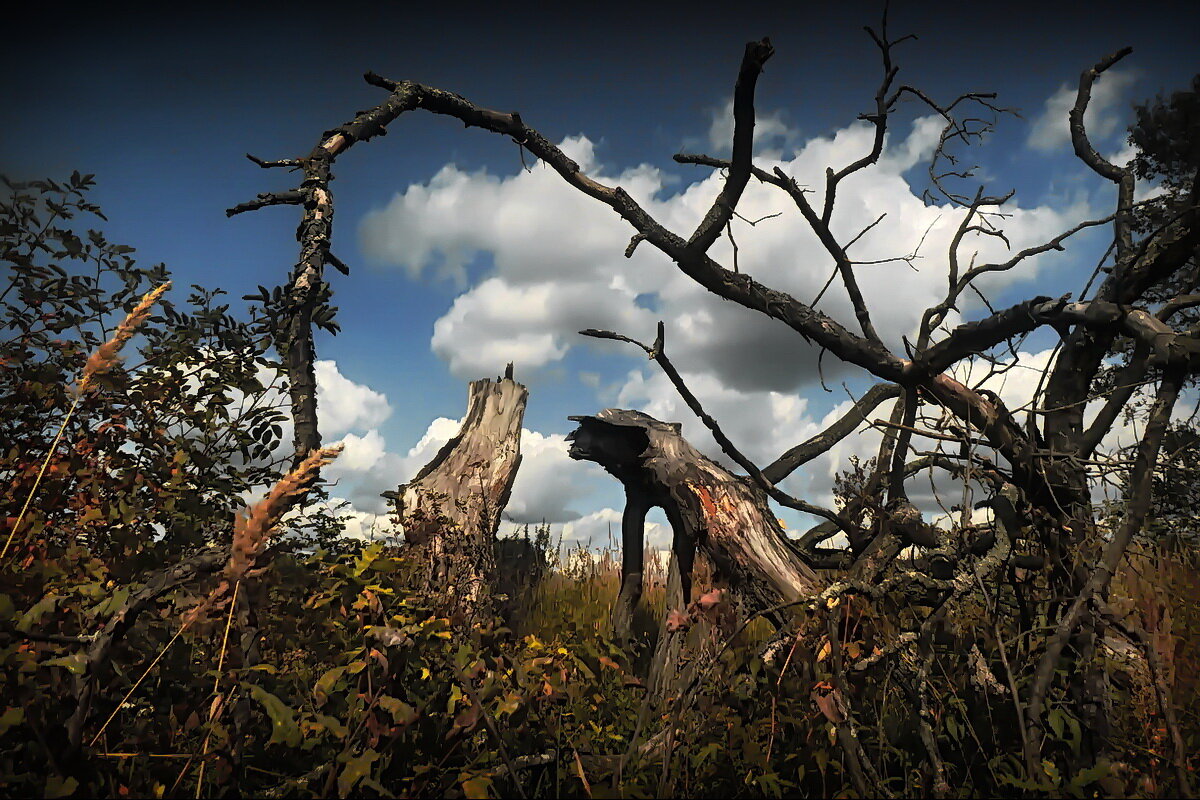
(1050, 130)
(556, 264)
(559, 265)
(359, 453)
(343, 405)
(598, 529)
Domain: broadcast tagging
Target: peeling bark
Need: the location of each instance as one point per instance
(723, 515)
(450, 511)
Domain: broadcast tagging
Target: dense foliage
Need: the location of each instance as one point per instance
(162, 451)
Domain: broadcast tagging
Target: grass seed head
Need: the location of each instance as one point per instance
(107, 355)
(251, 530)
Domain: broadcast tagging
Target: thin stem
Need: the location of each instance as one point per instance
(217, 683)
(138, 682)
(41, 472)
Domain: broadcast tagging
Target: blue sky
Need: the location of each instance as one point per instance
(462, 261)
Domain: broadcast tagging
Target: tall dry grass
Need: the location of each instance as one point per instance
(250, 534)
(1158, 589)
(253, 529)
(105, 357)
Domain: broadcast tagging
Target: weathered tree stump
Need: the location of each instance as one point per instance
(451, 510)
(710, 508)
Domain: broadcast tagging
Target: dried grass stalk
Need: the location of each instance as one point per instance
(107, 355)
(101, 361)
(251, 531)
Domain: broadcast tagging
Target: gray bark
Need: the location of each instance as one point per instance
(451, 510)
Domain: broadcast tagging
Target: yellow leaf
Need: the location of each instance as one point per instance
(401, 712)
(823, 653)
(355, 770)
(477, 788)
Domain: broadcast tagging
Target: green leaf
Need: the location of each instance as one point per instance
(283, 719)
(10, 717)
(325, 684)
(1088, 776)
(35, 614)
(110, 604)
(1076, 733)
(57, 786)
(76, 663)
(333, 725)
(355, 770)
(401, 712)
(706, 752)
(1057, 720)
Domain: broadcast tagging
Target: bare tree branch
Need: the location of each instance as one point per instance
(1137, 504)
(655, 352)
(878, 119)
(806, 451)
(264, 199)
(974, 337)
(1177, 304)
(1126, 383)
(1122, 176)
(820, 227)
(718, 216)
(811, 324)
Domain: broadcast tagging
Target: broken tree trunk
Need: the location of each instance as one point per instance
(710, 508)
(450, 511)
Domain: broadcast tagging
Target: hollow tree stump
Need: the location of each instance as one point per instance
(451, 510)
(724, 515)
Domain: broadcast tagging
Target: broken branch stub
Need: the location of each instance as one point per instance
(451, 510)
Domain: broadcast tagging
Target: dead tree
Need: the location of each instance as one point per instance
(710, 509)
(1038, 470)
(451, 510)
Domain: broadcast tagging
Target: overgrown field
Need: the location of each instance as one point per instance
(364, 687)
